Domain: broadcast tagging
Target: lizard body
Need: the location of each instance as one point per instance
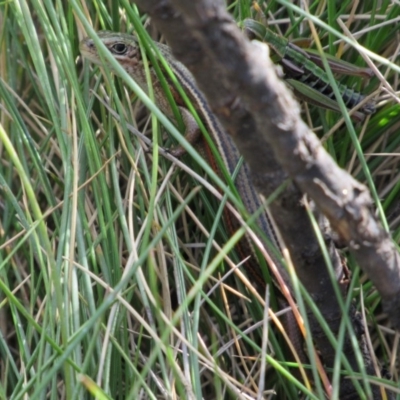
(125, 48)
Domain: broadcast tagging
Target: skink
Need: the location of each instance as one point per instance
(125, 48)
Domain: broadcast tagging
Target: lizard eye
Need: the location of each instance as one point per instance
(120, 48)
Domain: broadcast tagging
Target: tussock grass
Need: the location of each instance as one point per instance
(115, 265)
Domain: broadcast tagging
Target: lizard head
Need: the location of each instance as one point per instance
(123, 47)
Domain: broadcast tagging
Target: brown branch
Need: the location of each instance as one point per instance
(246, 80)
(260, 114)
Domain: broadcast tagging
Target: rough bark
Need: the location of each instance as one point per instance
(261, 115)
